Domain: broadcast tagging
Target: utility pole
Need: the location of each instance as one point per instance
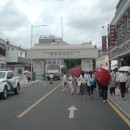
(61, 29)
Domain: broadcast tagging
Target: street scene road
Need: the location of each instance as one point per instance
(43, 106)
(65, 65)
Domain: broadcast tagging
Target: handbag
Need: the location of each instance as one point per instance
(117, 91)
(91, 82)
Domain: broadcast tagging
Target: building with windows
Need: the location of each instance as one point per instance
(16, 59)
(46, 40)
(119, 45)
(2, 54)
(102, 59)
(45, 54)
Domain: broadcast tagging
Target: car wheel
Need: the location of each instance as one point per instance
(16, 90)
(5, 93)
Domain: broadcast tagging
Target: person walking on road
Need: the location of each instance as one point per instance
(117, 73)
(89, 83)
(83, 84)
(73, 85)
(112, 82)
(104, 92)
(78, 86)
(64, 84)
(122, 80)
(92, 82)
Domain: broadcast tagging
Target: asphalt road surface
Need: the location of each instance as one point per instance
(42, 106)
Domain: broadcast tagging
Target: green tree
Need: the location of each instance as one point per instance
(70, 63)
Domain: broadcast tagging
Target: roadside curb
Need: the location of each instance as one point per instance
(119, 110)
(123, 116)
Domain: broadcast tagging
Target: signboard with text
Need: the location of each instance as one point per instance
(104, 44)
(112, 35)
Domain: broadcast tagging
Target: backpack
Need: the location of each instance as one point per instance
(91, 81)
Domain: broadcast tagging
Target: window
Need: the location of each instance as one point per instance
(10, 75)
(19, 71)
(128, 23)
(53, 62)
(2, 74)
(58, 61)
(49, 61)
(122, 29)
(119, 31)
(21, 54)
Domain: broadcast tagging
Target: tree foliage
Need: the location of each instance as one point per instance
(70, 63)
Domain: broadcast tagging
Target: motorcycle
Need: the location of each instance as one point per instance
(51, 78)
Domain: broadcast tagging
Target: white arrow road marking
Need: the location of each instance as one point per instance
(72, 109)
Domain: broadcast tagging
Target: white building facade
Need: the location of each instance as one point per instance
(40, 54)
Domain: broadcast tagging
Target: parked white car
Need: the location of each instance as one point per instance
(8, 83)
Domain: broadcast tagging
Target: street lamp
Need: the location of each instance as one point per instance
(32, 26)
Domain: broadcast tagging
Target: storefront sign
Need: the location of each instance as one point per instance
(104, 44)
(112, 35)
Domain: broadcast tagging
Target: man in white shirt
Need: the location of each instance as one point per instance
(122, 78)
(64, 84)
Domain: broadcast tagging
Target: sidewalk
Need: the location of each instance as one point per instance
(122, 105)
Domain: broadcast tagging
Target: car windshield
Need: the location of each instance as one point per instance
(2, 75)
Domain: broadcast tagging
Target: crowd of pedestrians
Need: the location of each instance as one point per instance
(120, 83)
(82, 85)
(86, 83)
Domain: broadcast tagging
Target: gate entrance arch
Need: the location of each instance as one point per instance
(41, 53)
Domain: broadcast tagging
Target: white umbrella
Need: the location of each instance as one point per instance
(27, 72)
(125, 68)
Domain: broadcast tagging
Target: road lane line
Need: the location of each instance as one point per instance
(124, 118)
(37, 102)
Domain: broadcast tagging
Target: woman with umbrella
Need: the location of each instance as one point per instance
(103, 77)
(104, 92)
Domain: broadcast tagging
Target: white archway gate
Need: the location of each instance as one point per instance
(40, 53)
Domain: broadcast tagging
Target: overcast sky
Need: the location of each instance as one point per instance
(82, 20)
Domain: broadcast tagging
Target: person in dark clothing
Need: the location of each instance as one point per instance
(104, 92)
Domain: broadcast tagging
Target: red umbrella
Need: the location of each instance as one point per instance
(103, 76)
(76, 71)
